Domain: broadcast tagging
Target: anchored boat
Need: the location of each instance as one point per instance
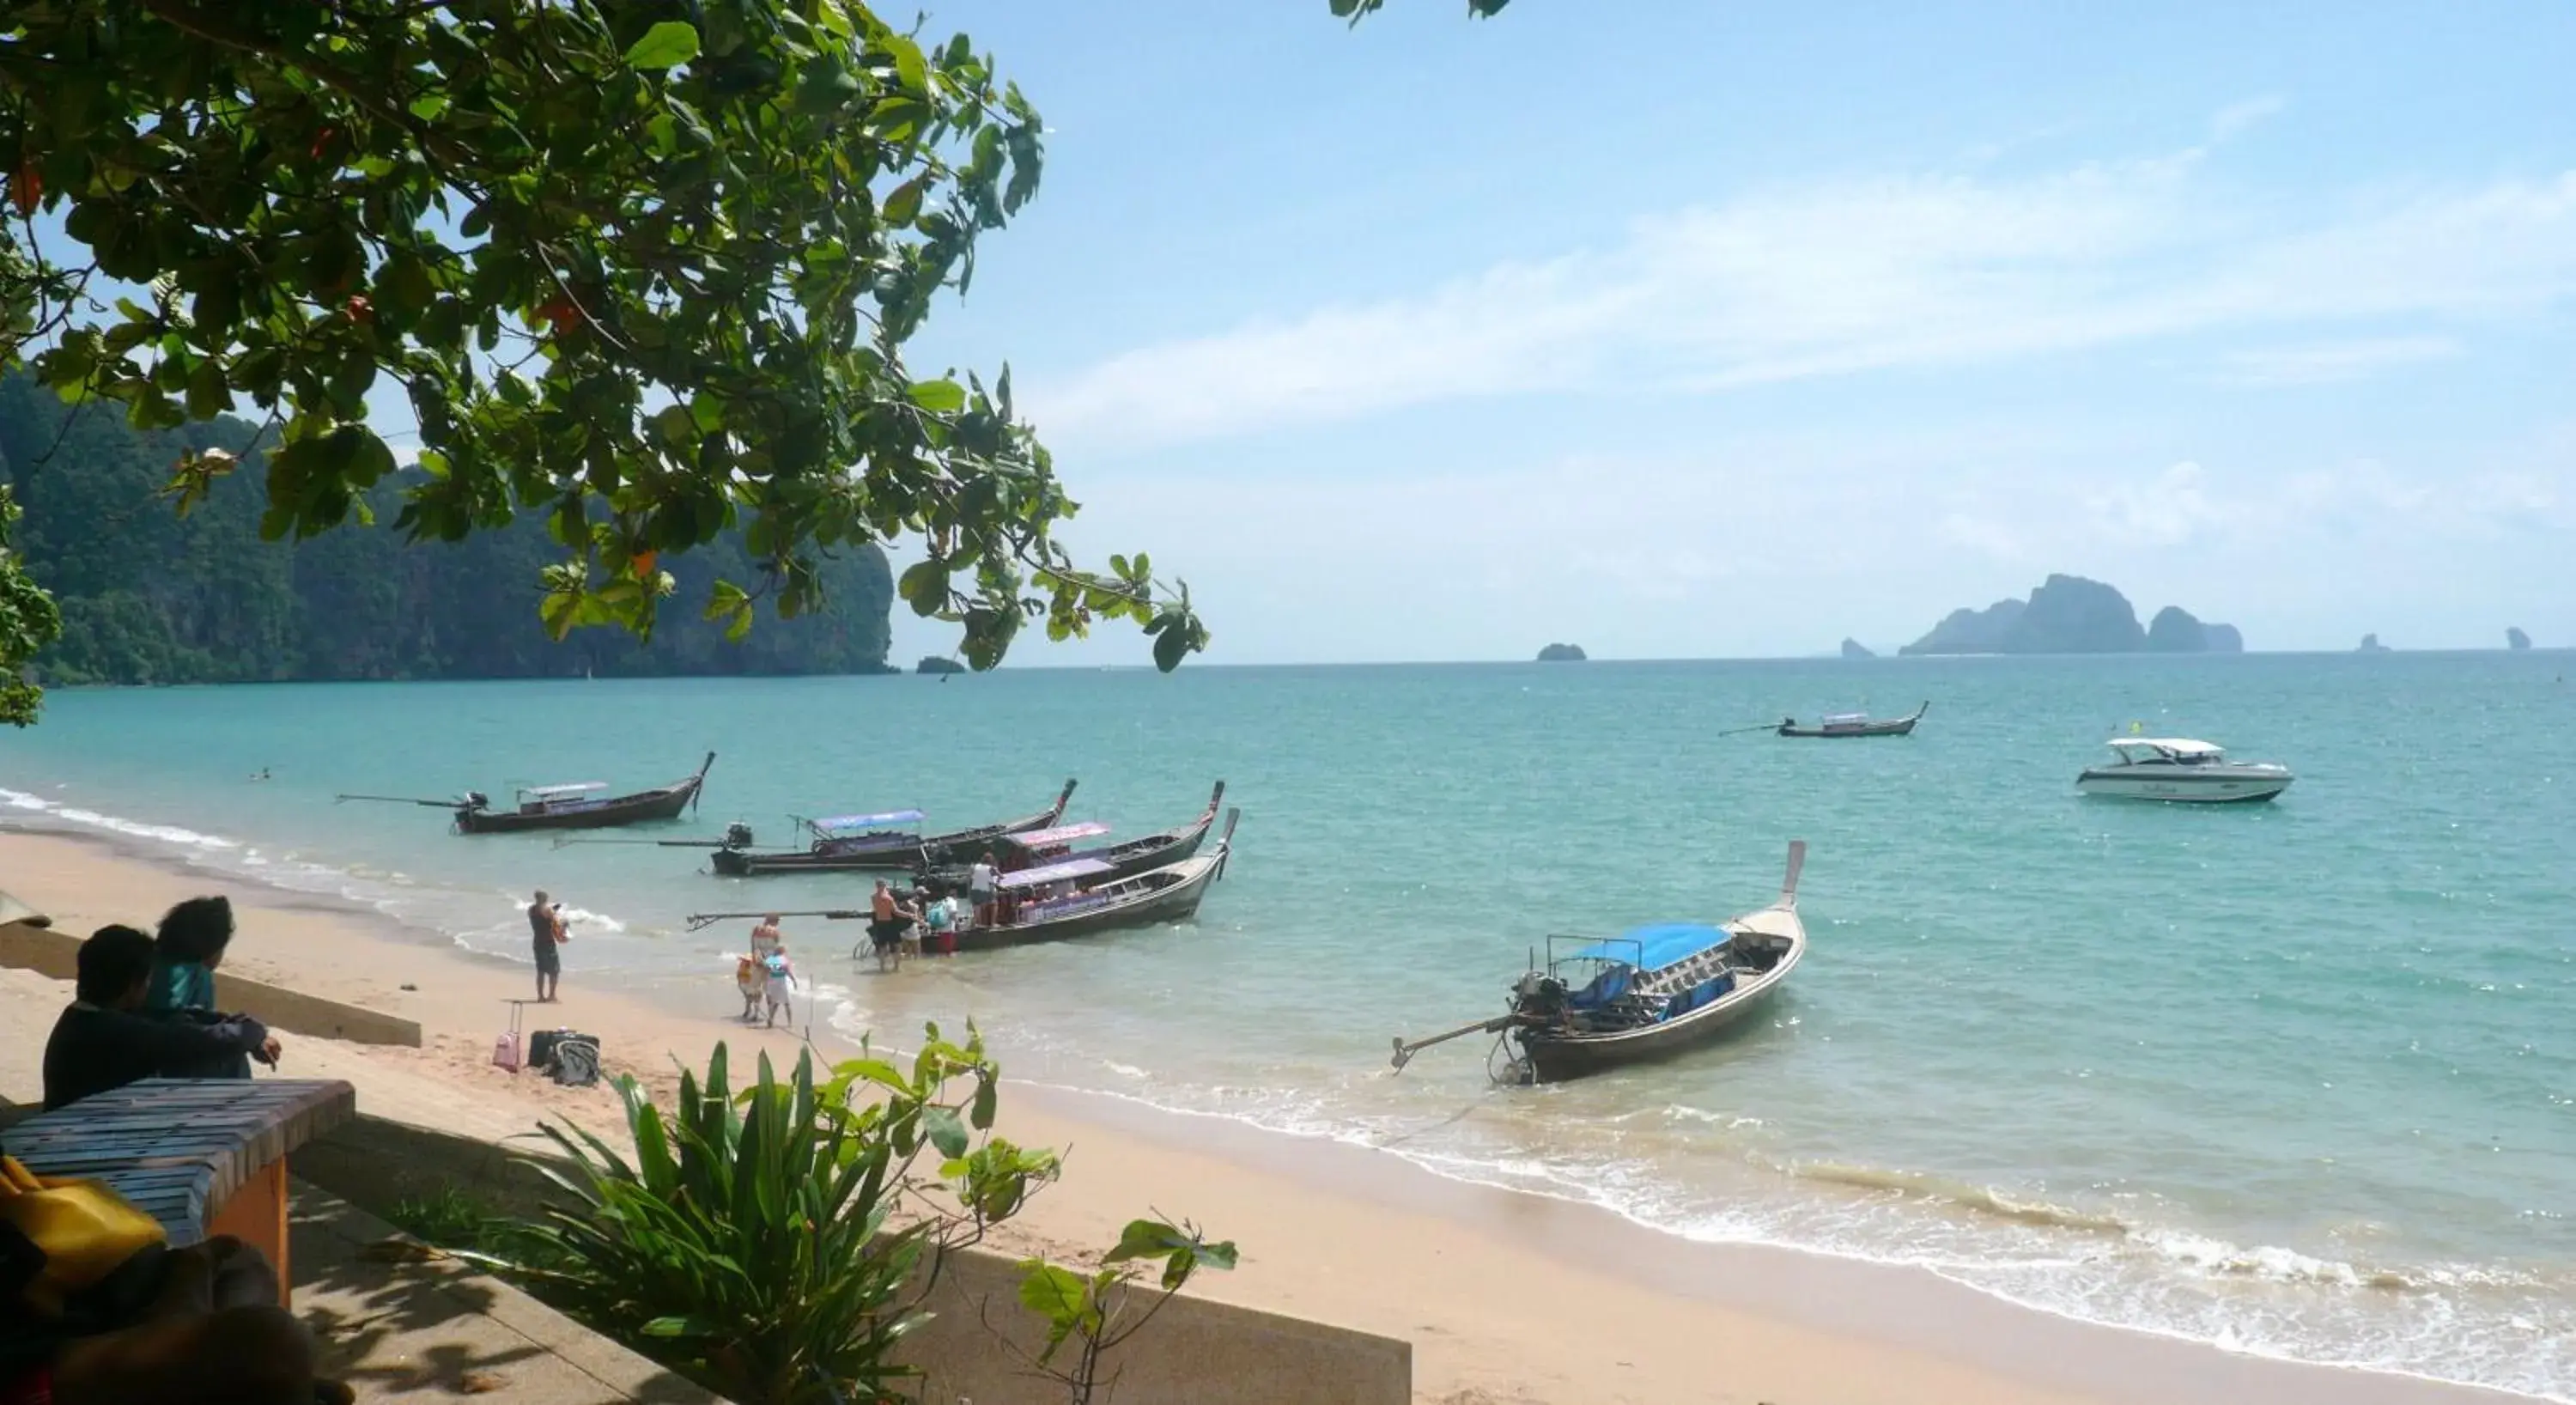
(1647, 994)
(1854, 724)
(2182, 770)
(1062, 843)
(1075, 898)
(570, 805)
(889, 841)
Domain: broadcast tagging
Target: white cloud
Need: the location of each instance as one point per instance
(2235, 120)
(2321, 363)
(1835, 277)
(2167, 510)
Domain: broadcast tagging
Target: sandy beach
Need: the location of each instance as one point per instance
(1508, 1299)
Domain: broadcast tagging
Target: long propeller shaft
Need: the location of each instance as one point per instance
(1404, 1052)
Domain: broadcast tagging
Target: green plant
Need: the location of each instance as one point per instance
(450, 1219)
(643, 271)
(775, 1244)
(1091, 1312)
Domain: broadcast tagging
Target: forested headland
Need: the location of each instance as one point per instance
(149, 596)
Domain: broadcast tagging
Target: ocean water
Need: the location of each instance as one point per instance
(2298, 1078)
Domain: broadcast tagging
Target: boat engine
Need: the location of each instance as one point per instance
(737, 835)
(1539, 997)
(477, 800)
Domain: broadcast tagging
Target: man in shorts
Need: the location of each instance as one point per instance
(886, 926)
(546, 926)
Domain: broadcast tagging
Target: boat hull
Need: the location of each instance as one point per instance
(900, 856)
(1177, 901)
(1554, 1060)
(2218, 789)
(1893, 727)
(1902, 727)
(1554, 1056)
(640, 808)
(1127, 860)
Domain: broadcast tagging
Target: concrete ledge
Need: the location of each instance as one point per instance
(53, 953)
(403, 1331)
(978, 1345)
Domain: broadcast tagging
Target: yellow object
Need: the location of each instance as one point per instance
(83, 1229)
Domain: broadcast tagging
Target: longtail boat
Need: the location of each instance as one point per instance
(567, 805)
(889, 841)
(1061, 843)
(1062, 900)
(1854, 724)
(1649, 993)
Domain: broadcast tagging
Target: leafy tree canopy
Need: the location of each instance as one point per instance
(644, 267)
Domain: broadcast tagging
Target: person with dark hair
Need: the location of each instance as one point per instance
(104, 1040)
(185, 955)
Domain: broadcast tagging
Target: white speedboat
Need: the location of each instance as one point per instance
(2174, 768)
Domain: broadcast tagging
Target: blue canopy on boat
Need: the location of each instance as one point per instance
(1655, 946)
(868, 821)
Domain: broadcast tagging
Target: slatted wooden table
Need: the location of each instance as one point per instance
(204, 1156)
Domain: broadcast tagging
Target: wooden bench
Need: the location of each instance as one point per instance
(205, 1156)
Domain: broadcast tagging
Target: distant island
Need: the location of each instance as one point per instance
(2370, 645)
(1854, 649)
(938, 663)
(2515, 639)
(1561, 653)
(2072, 615)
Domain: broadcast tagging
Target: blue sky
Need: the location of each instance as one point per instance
(1687, 330)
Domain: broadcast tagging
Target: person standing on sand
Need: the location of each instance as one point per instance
(754, 974)
(781, 979)
(546, 925)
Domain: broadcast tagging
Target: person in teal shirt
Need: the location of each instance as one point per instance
(185, 954)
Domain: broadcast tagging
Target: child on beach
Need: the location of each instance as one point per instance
(780, 978)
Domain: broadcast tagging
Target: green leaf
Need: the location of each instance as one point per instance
(666, 45)
(1146, 1239)
(947, 1132)
(1059, 1295)
(903, 204)
(941, 396)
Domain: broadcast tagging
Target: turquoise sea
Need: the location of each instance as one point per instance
(2298, 1078)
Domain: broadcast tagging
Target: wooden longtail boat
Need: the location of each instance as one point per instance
(1065, 900)
(1647, 994)
(1854, 724)
(881, 843)
(573, 805)
(1038, 847)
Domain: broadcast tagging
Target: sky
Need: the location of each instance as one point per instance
(1688, 330)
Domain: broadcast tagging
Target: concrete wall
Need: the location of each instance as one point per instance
(979, 1344)
(52, 953)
